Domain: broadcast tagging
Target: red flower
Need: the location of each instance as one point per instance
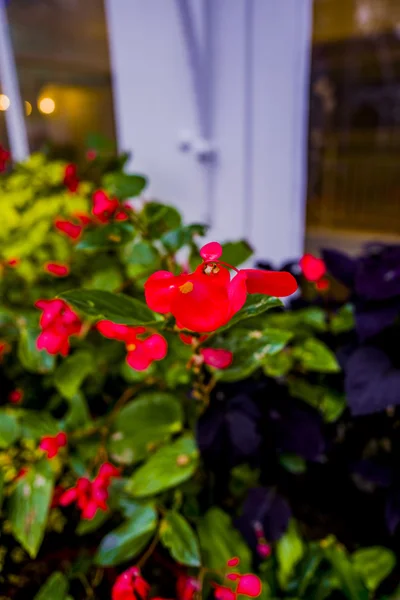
(208, 298)
(91, 496)
(233, 562)
(322, 285)
(130, 585)
(5, 156)
(312, 268)
(58, 323)
(217, 357)
(249, 585)
(187, 587)
(21, 473)
(70, 229)
(264, 550)
(13, 262)
(190, 339)
(16, 396)
(104, 207)
(224, 593)
(141, 352)
(71, 180)
(52, 443)
(57, 269)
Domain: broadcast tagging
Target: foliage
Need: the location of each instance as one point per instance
(210, 447)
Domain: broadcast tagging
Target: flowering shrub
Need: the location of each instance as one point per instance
(160, 410)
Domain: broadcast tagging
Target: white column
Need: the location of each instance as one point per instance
(258, 61)
(15, 120)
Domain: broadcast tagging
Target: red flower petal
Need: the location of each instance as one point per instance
(61, 439)
(57, 269)
(156, 346)
(271, 283)
(233, 562)
(199, 305)
(249, 585)
(113, 331)
(159, 290)
(313, 268)
(237, 292)
(211, 251)
(224, 593)
(218, 358)
(138, 358)
(70, 229)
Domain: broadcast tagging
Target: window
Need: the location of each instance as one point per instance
(61, 52)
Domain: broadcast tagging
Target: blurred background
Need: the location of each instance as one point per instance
(284, 113)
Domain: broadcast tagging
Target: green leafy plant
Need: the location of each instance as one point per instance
(107, 367)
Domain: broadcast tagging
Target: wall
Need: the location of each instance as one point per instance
(241, 82)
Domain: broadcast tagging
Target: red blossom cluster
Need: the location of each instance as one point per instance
(314, 270)
(4, 348)
(140, 352)
(5, 156)
(208, 298)
(71, 180)
(244, 585)
(106, 209)
(50, 444)
(130, 585)
(91, 496)
(70, 229)
(58, 322)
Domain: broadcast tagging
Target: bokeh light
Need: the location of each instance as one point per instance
(4, 102)
(46, 105)
(28, 108)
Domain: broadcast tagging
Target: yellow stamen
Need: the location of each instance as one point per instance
(186, 288)
(131, 347)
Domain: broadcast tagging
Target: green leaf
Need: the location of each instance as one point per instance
(343, 320)
(35, 424)
(55, 588)
(250, 349)
(373, 564)
(177, 535)
(100, 143)
(289, 551)
(72, 372)
(107, 237)
(150, 419)
(129, 539)
(175, 239)
(236, 253)
(29, 506)
(278, 365)
(328, 401)
(1, 487)
(86, 526)
(351, 582)
(167, 467)
(314, 355)
(123, 185)
(10, 430)
(220, 541)
(256, 304)
(31, 358)
(78, 414)
(293, 463)
(113, 307)
(160, 218)
(142, 254)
